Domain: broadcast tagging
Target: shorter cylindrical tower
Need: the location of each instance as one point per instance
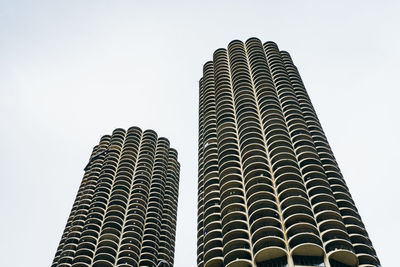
(125, 210)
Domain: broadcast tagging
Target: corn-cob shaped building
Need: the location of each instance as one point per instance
(125, 210)
(270, 192)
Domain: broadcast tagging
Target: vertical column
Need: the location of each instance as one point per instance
(132, 234)
(212, 233)
(95, 219)
(237, 245)
(105, 246)
(118, 207)
(114, 219)
(200, 183)
(72, 232)
(86, 247)
(266, 231)
(109, 241)
(299, 223)
(150, 243)
(168, 223)
(358, 235)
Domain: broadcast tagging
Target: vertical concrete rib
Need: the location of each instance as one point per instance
(117, 217)
(262, 209)
(200, 183)
(150, 242)
(237, 245)
(127, 249)
(210, 217)
(280, 246)
(102, 198)
(168, 224)
(282, 198)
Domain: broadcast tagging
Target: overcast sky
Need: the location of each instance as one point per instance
(72, 71)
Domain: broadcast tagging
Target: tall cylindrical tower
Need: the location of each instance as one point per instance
(270, 192)
(125, 210)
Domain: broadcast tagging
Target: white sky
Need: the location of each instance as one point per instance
(71, 71)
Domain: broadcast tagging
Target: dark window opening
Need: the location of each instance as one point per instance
(309, 261)
(337, 264)
(278, 262)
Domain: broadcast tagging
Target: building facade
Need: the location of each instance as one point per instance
(270, 192)
(125, 211)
